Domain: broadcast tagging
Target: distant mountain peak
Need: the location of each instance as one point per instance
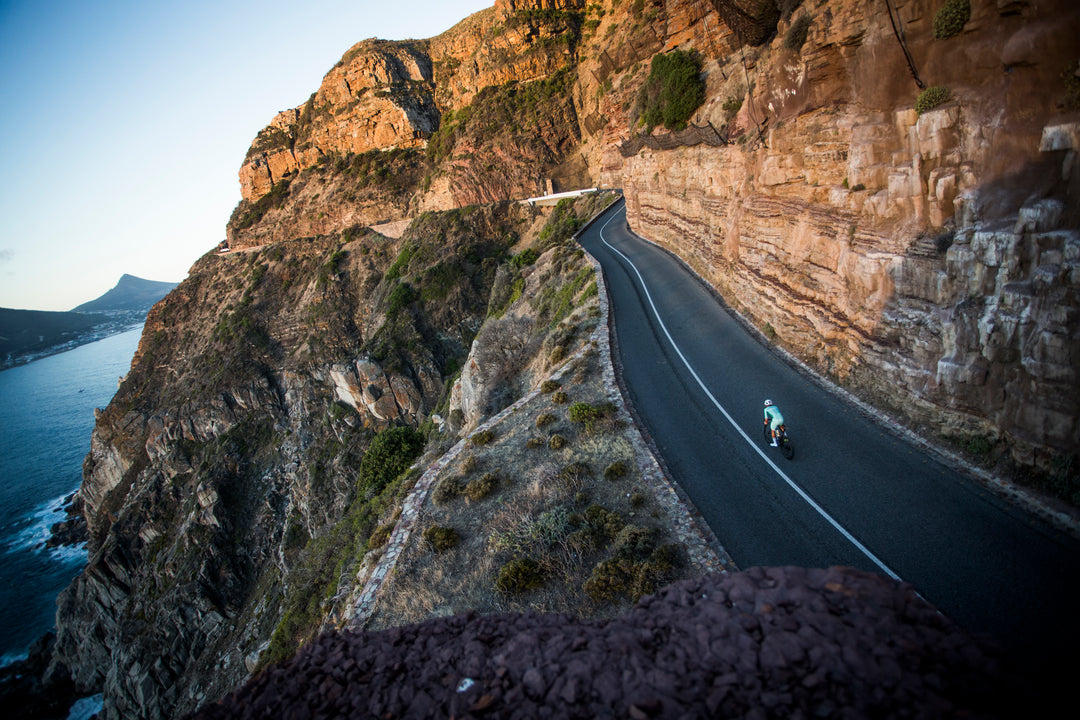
(129, 293)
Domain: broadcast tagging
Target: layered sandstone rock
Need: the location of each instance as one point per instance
(376, 98)
(830, 221)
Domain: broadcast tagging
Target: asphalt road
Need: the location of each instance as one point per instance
(855, 493)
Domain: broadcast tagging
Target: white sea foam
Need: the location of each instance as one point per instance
(37, 526)
(9, 658)
(85, 708)
(69, 553)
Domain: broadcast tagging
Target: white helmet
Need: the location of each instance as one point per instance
(768, 403)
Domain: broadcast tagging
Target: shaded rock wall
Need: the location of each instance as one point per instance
(231, 450)
(768, 642)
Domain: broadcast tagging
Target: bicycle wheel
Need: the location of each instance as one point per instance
(787, 449)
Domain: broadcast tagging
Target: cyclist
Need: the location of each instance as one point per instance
(773, 418)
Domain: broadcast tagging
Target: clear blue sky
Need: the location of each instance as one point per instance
(123, 124)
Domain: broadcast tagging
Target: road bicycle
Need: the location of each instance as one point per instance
(781, 439)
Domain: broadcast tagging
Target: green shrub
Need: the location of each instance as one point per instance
(637, 500)
(534, 442)
(634, 542)
(797, 32)
(380, 536)
(482, 437)
(544, 419)
(931, 97)
(951, 18)
(601, 525)
(389, 455)
(525, 257)
(858, 187)
(672, 92)
(556, 442)
(402, 261)
(557, 355)
(559, 397)
(615, 470)
(732, 106)
(610, 579)
(518, 576)
(549, 386)
(400, 298)
(469, 464)
(482, 487)
(589, 415)
(440, 538)
(447, 490)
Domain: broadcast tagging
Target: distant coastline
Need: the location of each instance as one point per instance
(111, 324)
(28, 335)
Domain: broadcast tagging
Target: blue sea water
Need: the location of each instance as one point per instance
(46, 415)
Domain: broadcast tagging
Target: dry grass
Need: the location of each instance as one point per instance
(535, 511)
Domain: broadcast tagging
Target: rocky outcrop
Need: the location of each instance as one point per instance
(922, 258)
(376, 98)
(235, 439)
(773, 642)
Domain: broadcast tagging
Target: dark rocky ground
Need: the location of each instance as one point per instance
(767, 642)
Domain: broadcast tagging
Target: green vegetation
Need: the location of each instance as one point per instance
(931, 97)
(561, 226)
(440, 539)
(253, 212)
(322, 561)
(399, 264)
(615, 471)
(518, 576)
(525, 257)
(637, 567)
(549, 386)
(672, 92)
(389, 455)
(400, 298)
(588, 415)
(797, 32)
(557, 301)
(951, 18)
(544, 419)
(556, 442)
(496, 111)
(481, 487)
(559, 397)
(447, 490)
(482, 437)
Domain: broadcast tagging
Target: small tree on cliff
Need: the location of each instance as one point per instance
(672, 92)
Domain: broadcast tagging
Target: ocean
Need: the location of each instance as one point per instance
(46, 415)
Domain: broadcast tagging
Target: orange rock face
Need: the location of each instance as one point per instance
(899, 252)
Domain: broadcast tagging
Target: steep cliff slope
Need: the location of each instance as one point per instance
(224, 490)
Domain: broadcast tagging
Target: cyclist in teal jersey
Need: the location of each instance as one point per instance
(774, 418)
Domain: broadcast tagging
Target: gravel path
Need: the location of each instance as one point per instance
(766, 642)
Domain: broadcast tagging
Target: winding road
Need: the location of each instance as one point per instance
(855, 493)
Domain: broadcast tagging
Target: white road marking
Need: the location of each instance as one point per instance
(791, 483)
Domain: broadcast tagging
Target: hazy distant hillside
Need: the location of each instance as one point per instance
(131, 293)
(31, 330)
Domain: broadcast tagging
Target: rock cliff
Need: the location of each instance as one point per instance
(222, 489)
(925, 259)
